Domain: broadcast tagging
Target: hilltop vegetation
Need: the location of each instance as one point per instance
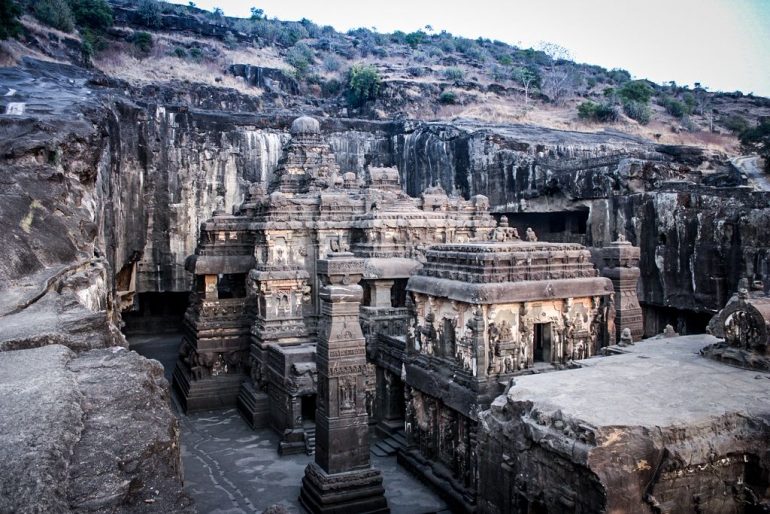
(423, 74)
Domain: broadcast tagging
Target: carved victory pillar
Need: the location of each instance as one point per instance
(341, 480)
(621, 265)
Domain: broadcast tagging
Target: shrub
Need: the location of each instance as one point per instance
(735, 123)
(55, 13)
(229, 40)
(150, 13)
(505, 60)
(299, 58)
(619, 76)
(331, 63)
(500, 73)
(331, 87)
(9, 14)
(196, 53)
(179, 52)
(398, 37)
(415, 71)
(447, 45)
(363, 84)
(674, 107)
(92, 14)
(447, 97)
(636, 91)
(290, 33)
(142, 41)
(591, 111)
(637, 111)
(453, 74)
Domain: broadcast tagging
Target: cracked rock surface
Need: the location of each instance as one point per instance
(87, 433)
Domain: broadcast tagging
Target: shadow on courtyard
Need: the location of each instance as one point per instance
(230, 468)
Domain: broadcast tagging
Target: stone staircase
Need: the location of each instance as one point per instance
(310, 440)
(388, 446)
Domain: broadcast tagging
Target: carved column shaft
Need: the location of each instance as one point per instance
(341, 479)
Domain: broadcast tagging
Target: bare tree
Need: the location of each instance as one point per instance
(559, 77)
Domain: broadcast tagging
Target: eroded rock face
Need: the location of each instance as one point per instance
(611, 437)
(90, 432)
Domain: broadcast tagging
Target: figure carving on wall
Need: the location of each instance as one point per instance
(530, 234)
(429, 339)
(347, 394)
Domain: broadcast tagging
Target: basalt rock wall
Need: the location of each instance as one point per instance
(155, 159)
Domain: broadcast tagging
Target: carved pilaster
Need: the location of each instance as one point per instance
(621, 266)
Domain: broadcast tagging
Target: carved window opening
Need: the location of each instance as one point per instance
(231, 285)
(542, 344)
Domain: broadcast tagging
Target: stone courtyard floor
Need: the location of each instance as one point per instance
(229, 468)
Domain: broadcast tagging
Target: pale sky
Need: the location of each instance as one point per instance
(723, 44)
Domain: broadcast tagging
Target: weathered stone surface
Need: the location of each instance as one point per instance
(91, 433)
(659, 427)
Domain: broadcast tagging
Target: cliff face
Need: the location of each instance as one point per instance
(129, 174)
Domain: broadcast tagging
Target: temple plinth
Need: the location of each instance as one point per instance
(341, 480)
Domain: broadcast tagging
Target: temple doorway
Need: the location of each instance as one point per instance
(308, 407)
(542, 349)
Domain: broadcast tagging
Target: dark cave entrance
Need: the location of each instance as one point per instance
(556, 226)
(156, 313)
(685, 322)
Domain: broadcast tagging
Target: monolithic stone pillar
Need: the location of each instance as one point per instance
(621, 265)
(341, 480)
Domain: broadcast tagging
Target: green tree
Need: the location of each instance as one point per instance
(150, 13)
(9, 19)
(92, 14)
(413, 39)
(529, 77)
(55, 13)
(636, 91)
(364, 84)
(257, 14)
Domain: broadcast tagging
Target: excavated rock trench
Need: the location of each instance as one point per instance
(103, 188)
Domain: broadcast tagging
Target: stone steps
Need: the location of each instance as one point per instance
(310, 440)
(390, 445)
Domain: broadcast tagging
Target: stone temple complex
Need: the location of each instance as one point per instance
(454, 305)
(212, 302)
